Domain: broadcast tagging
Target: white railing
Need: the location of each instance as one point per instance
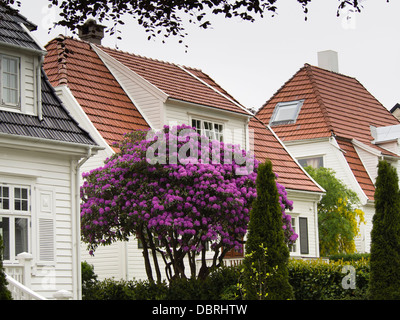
(19, 280)
(21, 292)
(230, 262)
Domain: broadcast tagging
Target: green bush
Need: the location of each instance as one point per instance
(385, 236)
(5, 294)
(310, 279)
(349, 256)
(220, 285)
(319, 280)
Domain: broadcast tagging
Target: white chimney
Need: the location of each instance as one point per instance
(328, 60)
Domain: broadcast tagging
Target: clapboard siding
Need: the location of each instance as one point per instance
(50, 173)
(146, 98)
(235, 126)
(334, 159)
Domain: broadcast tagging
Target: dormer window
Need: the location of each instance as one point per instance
(10, 78)
(286, 112)
(210, 129)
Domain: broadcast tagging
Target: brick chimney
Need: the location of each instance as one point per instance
(91, 31)
(328, 60)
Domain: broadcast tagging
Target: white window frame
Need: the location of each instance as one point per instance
(7, 104)
(294, 247)
(205, 131)
(13, 214)
(275, 120)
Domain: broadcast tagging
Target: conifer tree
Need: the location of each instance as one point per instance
(385, 236)
(265, 263)
(4, 292)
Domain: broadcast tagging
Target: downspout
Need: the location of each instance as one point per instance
(76, 225)
(39, 87)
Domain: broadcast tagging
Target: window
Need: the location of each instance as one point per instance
(286, 112)
(212, 130)
(300, 226)
(9, 69)
(315, 162)
(14, 220)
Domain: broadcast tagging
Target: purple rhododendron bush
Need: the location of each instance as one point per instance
(180, 194)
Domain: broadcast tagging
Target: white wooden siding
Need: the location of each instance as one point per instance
(370, 162)
(50, 173)
(334, 159)
(178, 113)
(147, 98)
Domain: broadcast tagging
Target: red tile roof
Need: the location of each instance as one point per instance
(73, 62)
(268, 146)
(179, 82)
(334, 104)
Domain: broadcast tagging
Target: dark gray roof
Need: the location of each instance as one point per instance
(57, 124)
(12, 33)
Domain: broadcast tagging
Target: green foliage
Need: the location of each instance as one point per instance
(385, 236)
(319, 280)
(265, 231)
(89, 281)
(338, 215)
(349, 256)
(258, 277)
(220, 285)
(5, 294)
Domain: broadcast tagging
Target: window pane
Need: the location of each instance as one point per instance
(303, 235)
(4, 198)
(286, 113)
(21, 235)
(5, 235)
(21, 199)
(316, 162)
(197, 124)
(9, 80)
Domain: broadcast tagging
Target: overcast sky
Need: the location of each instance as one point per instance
(253, 60)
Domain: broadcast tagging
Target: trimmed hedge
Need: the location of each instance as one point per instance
(220, 285)
(310, 279)
(319, 280)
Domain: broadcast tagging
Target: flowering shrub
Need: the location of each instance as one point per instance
(176, 194)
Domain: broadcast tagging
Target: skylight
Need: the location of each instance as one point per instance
(286, 112)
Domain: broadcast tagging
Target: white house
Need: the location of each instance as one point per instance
(112, 92)
(328, 119)
(41, 151)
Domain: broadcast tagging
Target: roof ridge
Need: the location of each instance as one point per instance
(330, 71)
(62, 60)
(144, 57)
(321, 104)
(130, 53)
